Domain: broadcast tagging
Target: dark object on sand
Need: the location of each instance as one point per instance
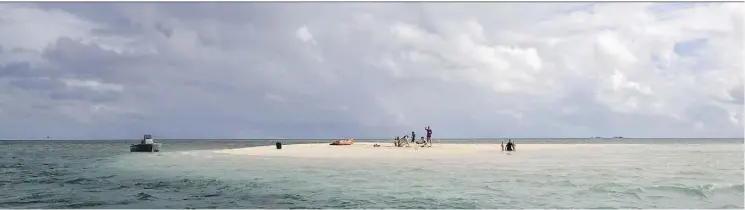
(343, 142)
(146, 145)
(279, 145)
(510, 146)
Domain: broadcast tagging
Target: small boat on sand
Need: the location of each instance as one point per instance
(343, 142)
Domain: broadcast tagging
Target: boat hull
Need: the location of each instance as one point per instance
(145, 147)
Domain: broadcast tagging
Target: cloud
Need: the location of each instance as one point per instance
(304, 35)
(373, 70)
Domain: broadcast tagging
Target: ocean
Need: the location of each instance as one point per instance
(627, 173)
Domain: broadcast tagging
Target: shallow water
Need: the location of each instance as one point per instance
(190, 174)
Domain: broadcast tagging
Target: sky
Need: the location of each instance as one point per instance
(370, 70)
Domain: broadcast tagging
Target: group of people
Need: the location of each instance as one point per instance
(510, 145)
(400, 142)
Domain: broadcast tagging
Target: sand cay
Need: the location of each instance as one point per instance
(387, 150)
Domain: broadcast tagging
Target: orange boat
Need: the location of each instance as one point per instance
(343, 142)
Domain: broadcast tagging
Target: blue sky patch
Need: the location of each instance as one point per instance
(689, 47)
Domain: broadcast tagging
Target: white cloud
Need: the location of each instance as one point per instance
(27, 27)
(93, 85)
(304, 34)
(372, 70)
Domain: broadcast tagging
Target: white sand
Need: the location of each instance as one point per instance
(387, 150)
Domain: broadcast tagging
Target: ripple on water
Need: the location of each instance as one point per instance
(144, 196)
(694, 192)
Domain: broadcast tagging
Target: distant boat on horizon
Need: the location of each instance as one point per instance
(598, 137)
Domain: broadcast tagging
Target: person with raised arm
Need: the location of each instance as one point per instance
(429, 135)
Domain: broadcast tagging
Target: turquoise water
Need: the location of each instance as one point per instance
(628, 173)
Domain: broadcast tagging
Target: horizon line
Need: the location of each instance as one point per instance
(462, 138)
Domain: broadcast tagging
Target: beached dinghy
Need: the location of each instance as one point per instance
(343, 142)
(147, 145)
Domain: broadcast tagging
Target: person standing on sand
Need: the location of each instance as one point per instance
(502, 145)
(510, 145)
(429, 135)
(413, 137)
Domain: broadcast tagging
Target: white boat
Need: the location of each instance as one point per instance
(146, 145)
